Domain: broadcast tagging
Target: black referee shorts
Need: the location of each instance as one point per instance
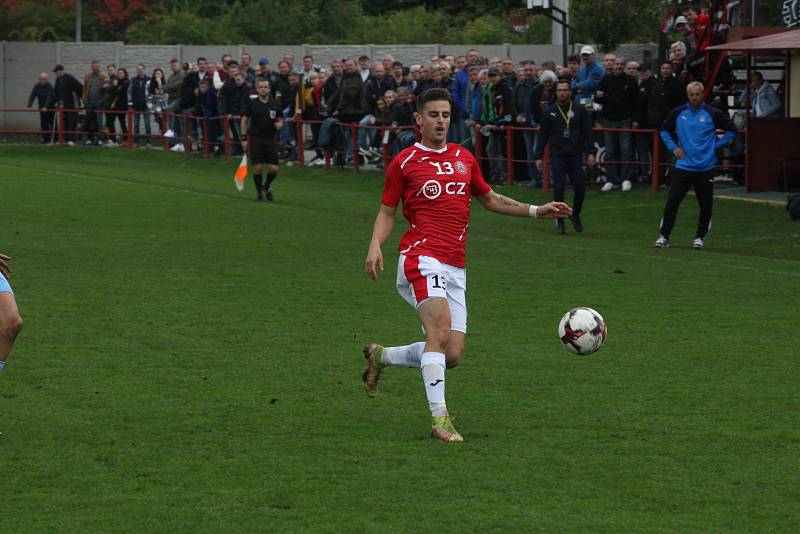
(263, 150)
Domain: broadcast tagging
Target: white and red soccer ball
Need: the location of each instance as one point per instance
(582, 330)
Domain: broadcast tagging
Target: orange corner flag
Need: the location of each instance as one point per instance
(241, 174)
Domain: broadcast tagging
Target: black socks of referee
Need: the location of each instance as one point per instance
(271, 178)
(259, 181)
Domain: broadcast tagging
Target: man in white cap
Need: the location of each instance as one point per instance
(589, 76)
(683, 29)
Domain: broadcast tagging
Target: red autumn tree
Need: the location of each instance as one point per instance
(116, 16)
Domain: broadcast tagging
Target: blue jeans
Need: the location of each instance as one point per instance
(137, 115)
(619, 147)
(287, 135)
(191, 125)
(366, 136)
(458, 133)
(530, 150)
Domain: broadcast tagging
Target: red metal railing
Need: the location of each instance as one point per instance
(225, 145)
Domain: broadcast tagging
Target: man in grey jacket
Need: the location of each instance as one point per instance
(173, 89)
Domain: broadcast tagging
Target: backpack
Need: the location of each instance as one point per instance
(793, 206)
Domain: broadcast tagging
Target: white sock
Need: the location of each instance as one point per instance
(405, 356)
(433, 364)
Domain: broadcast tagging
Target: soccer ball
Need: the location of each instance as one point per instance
(582, 330)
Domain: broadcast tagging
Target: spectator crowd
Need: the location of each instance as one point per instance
(196, 106)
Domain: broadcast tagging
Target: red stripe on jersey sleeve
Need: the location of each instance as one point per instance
(395, 183)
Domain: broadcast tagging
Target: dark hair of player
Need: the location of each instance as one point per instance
(563, 81)
(437, 93)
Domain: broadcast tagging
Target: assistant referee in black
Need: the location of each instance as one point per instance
(567, 128)
(263, 115)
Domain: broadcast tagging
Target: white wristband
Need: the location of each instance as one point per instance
(532, 210)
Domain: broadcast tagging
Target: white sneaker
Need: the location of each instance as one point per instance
(698, 244)
(177, 148)
(169, 134)
(662, 242)
(608, 187)
(626, 185)
(87, 142)
(70, 143)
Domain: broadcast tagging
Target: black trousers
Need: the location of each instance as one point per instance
(46, 119)
(71, 125)
(560, 167)
(682, 181)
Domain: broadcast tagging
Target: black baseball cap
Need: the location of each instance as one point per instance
(58, 68)
(644, 66)
(493, 71)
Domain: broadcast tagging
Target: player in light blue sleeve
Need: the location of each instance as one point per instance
(10, 321)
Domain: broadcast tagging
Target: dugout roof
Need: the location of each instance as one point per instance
(787, 40)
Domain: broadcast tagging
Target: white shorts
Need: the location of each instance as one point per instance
(422, 277)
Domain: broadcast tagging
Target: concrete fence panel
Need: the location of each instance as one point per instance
(22, 63)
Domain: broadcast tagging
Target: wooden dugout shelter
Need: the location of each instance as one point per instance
(773, 143)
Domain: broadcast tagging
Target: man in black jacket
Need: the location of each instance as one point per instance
(44, 94)
(643, 141)
(618, 92)
(233, 96)
(567, 127)
(502, 102)
(68, 92)
(348, 103)
(522, 104)
(331, 86)
(189, 101)
(137, 99)
(667, 93)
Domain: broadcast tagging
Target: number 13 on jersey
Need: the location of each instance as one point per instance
(448, 167)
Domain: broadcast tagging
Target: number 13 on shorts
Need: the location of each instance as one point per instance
(422, 277)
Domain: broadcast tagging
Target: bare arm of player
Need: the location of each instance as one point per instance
(384, 223)
(508, 206)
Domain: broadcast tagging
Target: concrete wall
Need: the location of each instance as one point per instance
(20, 63)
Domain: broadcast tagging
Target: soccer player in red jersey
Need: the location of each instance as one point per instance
(435, 182)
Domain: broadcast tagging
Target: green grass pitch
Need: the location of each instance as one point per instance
(191, 362)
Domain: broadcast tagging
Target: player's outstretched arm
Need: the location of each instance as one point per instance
(382, 229)
(508, 206)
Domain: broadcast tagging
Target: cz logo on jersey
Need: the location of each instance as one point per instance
(433, 189)
(272, 114)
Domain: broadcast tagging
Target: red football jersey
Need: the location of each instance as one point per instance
(436, 187)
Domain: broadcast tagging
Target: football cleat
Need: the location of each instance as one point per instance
(698, 243)
(372, 353)
(444, 430)
(661, 242)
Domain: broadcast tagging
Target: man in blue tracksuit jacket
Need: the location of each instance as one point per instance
(589, 77)
(695, 125)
